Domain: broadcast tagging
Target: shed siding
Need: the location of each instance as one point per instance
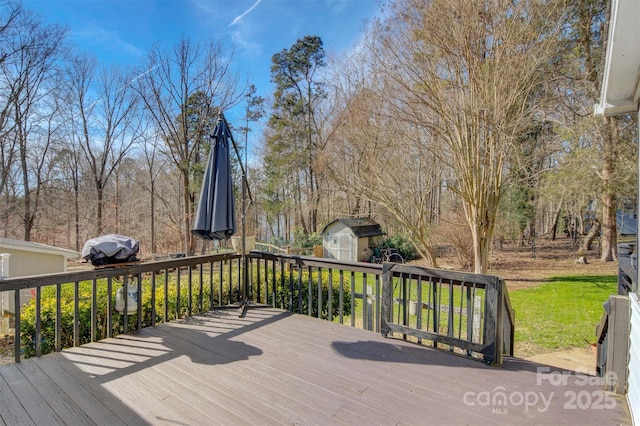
(24, 262)
(341, 242)
(633, 383)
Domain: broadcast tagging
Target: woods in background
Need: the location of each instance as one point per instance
(453, 122)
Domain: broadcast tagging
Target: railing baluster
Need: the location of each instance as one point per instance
(211, 284)
(365, 324)
(353, 299)
(139, 292)
(319, 292)
(419, 305)
(310, 292)
(450, 324)
(153, 298)
(341, 296)
(257, 275)
(461, 310)
(76, 314)
(430, 293)
(299, 291)
(166, 295)
(125, 313)
(190, 292)
(470, 318)
(330, 295)
(230, 300)
(405, 297)
(239, 276)
(58, 332)
(377, 302)
(109, 307)
(178, 285)
(437, 292)
(201, 294)
(38, 321)
(17, 345)
(94, 309)
(220, 279)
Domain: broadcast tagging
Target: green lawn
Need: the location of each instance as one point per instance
(561, 314)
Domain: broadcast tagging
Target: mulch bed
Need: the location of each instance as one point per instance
(6, 350)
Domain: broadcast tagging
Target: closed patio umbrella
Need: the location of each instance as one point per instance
(216, 215)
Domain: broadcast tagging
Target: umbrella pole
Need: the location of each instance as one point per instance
(244, 303)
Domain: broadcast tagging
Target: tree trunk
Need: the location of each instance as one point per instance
(554, 224)
(76, 203)
(27, 195)
(588, 239)
(609, 201)
(480, 249)
(481, 235)
(100, 194)
(153, 216)
(185, 211)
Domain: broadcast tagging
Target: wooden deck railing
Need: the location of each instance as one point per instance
(612, 332)
(465, 312)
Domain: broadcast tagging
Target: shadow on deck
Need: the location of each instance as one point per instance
(274, 367)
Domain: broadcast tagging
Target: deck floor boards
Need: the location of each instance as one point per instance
(272, 367)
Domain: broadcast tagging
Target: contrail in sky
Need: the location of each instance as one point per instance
(239, 17)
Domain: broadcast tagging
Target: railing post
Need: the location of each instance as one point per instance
(493, 323)
(617, 343)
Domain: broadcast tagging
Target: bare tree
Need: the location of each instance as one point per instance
(607, 140)
(10, 24)
(154, 163)
(465, 72)
(167, 81)
(26, 74)
(373, 157)
(106, 127)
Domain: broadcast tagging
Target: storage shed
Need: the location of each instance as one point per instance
(350, 239)
(29, 258)
(22, 258)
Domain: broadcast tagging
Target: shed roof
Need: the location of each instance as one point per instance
(7, 243)
(360, 226)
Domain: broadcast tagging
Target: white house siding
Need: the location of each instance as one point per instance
(633, 381)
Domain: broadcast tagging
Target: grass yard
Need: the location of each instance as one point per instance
(560, 314)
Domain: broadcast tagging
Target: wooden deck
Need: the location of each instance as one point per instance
(273, 367)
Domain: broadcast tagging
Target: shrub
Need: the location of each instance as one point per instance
(48, 308)
(48, 312)
(288, 292)
(404, 246)
(303, 240)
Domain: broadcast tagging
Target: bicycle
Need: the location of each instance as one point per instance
(388, 255)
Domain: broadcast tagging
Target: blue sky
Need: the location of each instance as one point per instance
(120, 31)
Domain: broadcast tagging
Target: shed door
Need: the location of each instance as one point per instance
(340, 246)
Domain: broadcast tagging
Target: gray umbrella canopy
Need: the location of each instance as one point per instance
(216, 215)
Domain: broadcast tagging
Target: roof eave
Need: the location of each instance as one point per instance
(619, 92)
